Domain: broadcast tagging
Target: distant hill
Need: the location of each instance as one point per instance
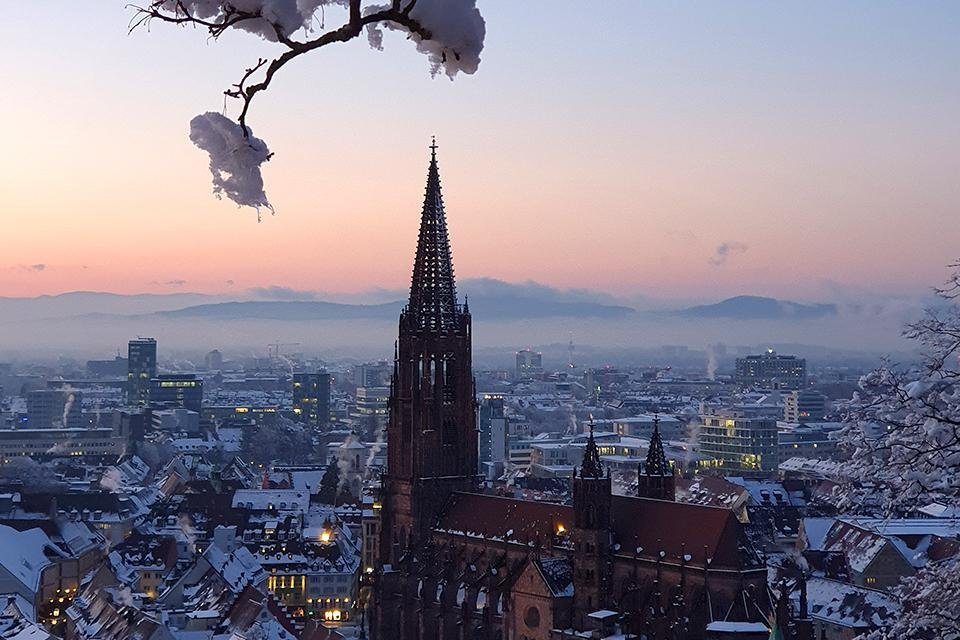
(288, 310)
(758, 308)
(486, 307)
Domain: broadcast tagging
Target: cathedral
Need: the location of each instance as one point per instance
(459, 564)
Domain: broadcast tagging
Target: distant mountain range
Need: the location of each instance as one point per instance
(492, 302)
(487, 307)
(758, 308)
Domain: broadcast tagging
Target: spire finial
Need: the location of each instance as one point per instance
(433, 147)
(591, 466)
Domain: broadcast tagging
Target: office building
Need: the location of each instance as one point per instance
(808, 405)
(373, 374)
(771, 371)
(739, 442)
(311, 397)
(141, 369)
(50, 408)
(529, 364)
(107, 368)
(493, 431)
(373, 401)
(213, 361)
(176, 390)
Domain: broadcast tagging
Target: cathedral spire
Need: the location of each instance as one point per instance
(656, 458)
(433, 294)
(591, 467)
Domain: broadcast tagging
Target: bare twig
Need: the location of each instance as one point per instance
(398, 13)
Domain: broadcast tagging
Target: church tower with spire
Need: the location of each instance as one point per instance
(655, 478)
(432, 441)
(592, 506)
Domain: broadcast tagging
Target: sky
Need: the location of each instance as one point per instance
(803, 150)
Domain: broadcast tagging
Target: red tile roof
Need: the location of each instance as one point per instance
(654, 525)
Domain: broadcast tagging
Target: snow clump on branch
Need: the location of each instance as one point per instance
(234, 159)
(449, 32)
(289, 16)
(456, 33)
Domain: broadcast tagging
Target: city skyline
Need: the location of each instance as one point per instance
(705, 142)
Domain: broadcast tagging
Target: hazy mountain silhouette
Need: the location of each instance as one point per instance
(758, 308)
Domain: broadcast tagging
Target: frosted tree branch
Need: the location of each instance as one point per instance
(904, 430)
(449, 32)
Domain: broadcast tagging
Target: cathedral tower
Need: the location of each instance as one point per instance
(432, 437)
(592, 505)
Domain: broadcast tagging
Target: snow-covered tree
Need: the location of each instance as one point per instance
(905, 432)
(449, 32)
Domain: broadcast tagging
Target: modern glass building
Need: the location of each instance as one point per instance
(141, 369)
(739, 443)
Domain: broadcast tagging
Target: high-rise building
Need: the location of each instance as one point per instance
(372, 374)
(431, 435)
(808, 405)
(739, 442)
(213, 360)
(529, 363)
(177, 390)
(49, 408)
(493, 430)
(141, 369)
(311, 397)
(771, 371)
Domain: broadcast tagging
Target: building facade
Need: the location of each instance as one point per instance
(808, 405)
(739, 442)
(311, 397)
(177, 390)
(529, 364)
(771, 371)
(141, 369)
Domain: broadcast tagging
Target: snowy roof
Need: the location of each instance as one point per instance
(15, 623)
(238, 568)
(723, 626)
(815, 530)
(23, 554)
(263, 499)
(849, 606)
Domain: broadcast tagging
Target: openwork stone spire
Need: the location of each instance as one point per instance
(656, 458)
(591, 467)
(433, 294)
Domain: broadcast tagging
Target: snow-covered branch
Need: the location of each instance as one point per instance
(449, 32)
(905, 434)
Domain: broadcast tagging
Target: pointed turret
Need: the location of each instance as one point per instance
(433, 293)
(655, 478)
(591, 467)
(656, 458)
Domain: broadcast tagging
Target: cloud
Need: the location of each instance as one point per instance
(175, 283)
(230, 283)
(35, 268)
(726, 249)
(276, 292)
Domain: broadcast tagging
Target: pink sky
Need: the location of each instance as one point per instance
(619, 165)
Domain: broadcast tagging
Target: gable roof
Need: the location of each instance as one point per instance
(651, 526)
